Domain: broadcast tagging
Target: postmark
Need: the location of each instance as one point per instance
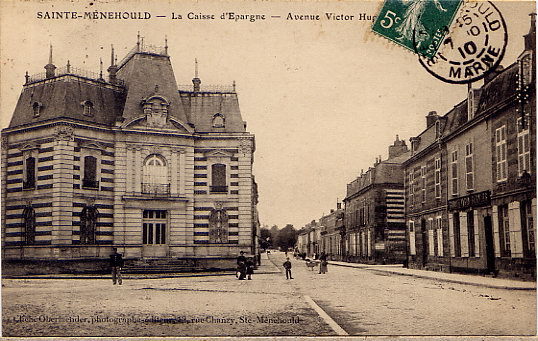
(475, 45)
(417, 25)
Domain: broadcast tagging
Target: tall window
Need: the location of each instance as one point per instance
(504, 231)
(523, 147)
(423, 182)
(457, 236)
(439, 226)
(155, 175)
(154, 227)
(88, 223)
(29, 225)
(470, 232)
(411, 189)
(500, 152)
(528, 229)
(218, 178)
(218, 226)
(29, 176)
(90, 172)
(412, 247)
(469, 171)
(438, 178)
(454, 172)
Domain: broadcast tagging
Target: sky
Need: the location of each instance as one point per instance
(323, 98)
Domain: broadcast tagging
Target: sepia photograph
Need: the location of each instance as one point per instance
(238, 168)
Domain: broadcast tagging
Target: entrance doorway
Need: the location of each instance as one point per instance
(154, 234)
(424, 234)
(490, 250)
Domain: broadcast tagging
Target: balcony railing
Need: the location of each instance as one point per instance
(219, 189)
(90, 183)
(70, 70)
(156, 189)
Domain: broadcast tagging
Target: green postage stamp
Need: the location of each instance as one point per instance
(418, 25)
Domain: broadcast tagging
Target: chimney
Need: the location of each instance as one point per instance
(431, 118)
(338, 205)
(414, 141)
(530, 38)
(397, 148)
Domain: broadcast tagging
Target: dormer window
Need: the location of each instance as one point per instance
(218, 121)
(156, 110)
(36, 107)
(87, 108)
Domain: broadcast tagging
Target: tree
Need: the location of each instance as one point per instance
(287, 238)
(265, 238)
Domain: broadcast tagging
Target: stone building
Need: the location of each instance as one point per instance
(130, 162)
(374, 211)
(331, 227)
(470, 187)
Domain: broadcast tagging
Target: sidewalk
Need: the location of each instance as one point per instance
(488, 282)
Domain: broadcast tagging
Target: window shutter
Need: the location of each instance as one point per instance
(516, 238)
(464, 235)
(451, 235)
(496, 236)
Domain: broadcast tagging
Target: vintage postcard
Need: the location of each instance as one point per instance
(246, 168)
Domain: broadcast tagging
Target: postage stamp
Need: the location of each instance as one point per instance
(474, 46)
(418, 25)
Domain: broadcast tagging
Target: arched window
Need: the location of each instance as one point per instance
(218, 178)
(218, 121)
(218, 226)
(29, 176)
(87, 108)
(29, 225)
(155, 175)
(88, 223)
(90, 172)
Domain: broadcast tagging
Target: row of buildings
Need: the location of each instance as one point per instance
(132, 162)
(462, 195)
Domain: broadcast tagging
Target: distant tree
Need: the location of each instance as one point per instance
(265, 238)
(287, 237)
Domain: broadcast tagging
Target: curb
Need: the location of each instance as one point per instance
(493, 286)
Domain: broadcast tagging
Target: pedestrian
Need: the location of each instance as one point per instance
(250, 268)
(116, 263)
(241, 265)
(323, 263)
(287, 266)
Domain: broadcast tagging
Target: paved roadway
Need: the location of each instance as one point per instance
(343, 301)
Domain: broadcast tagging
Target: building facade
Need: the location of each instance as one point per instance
(470, 182)
(130, 162)
(374, 211)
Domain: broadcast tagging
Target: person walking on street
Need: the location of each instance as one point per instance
(116, 263)
(242, 265)
(287, 266)
(323, 263)
(250, 268)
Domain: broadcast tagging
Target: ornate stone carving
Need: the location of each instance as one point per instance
(5, 142)
(245, 146)
(63, 133)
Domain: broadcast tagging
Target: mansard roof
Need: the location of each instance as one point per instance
(64, 97)
(203, 106)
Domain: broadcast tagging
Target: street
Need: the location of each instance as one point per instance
(359, 301)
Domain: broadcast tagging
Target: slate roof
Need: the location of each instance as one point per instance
(63, 97)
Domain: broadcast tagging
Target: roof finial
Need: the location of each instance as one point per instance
(27, 77)
(68, 66)
(112, 55)
(138, 41)
(166, 45)
(397, 137)
(195, 67)
(100, 68)
(233, 85)
(196, 81)
(50, 54)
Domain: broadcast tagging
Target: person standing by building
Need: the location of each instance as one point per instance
(287, 266)
(116, 263)
(241, 265)
(250, 268)
(323, 263)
